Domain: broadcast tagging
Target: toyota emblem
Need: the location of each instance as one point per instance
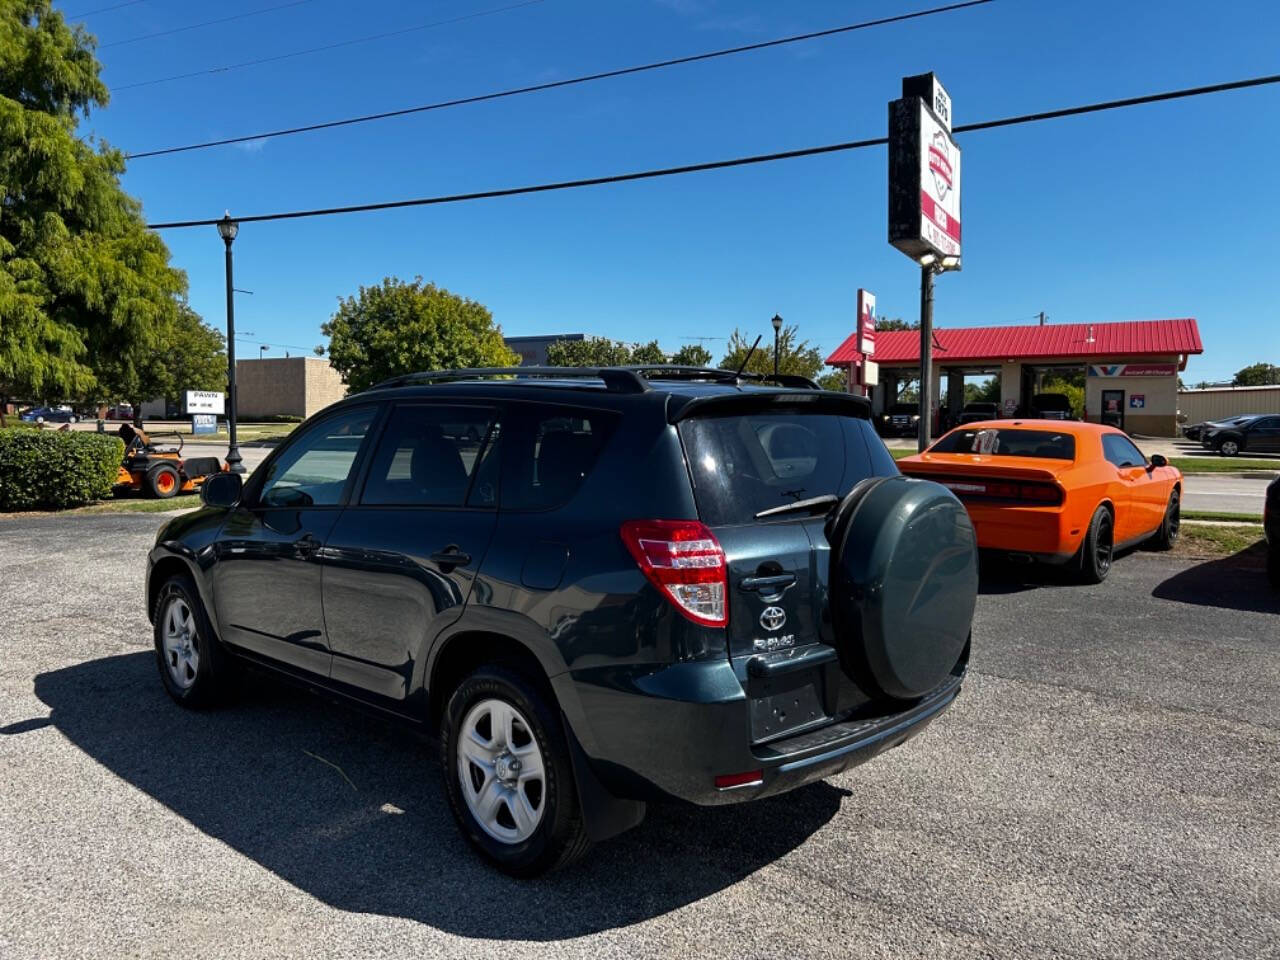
(773, 618)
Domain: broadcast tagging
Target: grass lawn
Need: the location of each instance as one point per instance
(1222, 464)
(245, 433)
(184, 501)
(1219, 515)
(1207, 541)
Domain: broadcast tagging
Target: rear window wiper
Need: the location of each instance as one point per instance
(810, 505)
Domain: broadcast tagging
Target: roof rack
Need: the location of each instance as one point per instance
(621, 379)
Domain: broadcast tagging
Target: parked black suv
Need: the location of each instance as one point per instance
(621, 585)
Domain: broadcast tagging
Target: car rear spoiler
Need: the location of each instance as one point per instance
(758, 401)
(968, 468)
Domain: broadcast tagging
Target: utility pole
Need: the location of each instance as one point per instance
(1042, 318)
(925, 426)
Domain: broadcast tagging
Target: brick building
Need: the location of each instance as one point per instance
(286, 386)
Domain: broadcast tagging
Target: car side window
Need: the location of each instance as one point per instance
(550, 451)
(313, 470)
(1119, 450)
(428, 456)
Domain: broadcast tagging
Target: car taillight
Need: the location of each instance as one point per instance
(1047, 494)
(683, 559)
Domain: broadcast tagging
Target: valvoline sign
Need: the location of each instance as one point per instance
(1133, 369)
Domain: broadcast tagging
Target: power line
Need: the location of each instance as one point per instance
(90, 13)
(724, 164)
(329, 46)
(206, 23)
(556, 84)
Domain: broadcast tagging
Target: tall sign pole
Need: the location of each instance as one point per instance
(924, 205)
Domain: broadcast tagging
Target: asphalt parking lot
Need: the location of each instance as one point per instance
(1106, 786)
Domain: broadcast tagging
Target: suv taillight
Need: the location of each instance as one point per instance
(683, 559)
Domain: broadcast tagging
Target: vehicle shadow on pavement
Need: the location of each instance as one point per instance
(375, 835)
(1237, 582)
(997, 575)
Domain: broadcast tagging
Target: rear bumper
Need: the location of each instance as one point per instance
(669, 733)
(1042, 532)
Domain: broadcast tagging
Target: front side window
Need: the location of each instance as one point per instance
(1120, 451)
(435, 456)
(313, 470)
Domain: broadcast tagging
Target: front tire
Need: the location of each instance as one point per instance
(508, 774)
(1228, 448)
(1167, 535)
(192, 664)
(1098, 549)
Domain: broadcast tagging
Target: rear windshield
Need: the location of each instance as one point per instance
(744, 464)
(1044, 444)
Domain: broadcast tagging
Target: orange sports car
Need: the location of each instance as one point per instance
(1054, 491)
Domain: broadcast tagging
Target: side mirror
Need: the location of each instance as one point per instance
(1158, 460)
(222, 490)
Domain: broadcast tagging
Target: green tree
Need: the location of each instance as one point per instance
(692, 355)
(1072, 388)
(837, 380)
(588, 352)
(897, 323)
(795, 356)
(194, 358)
(397, 327)
(1257, 375)
(986, 392)
(86, 292)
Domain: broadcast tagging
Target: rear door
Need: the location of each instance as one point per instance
(778, 565)
(1264, 436)
(402, 558)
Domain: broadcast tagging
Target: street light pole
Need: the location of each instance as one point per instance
(227, 229)
(777, 327)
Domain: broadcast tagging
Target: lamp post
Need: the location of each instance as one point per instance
(777, 328)
(227, 229)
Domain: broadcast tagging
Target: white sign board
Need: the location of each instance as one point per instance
(205, 401)
(870, 373)
(866, 322)
(939, 185)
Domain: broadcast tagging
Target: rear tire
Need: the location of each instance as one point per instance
(163, 481)
(193, 667)
(1228, 448)
(534, 826)
(1098, 550)
(1167, 535)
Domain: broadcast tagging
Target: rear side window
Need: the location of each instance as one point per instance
(744, 464)
(1044, 444)
(428, 455)
(550, 451)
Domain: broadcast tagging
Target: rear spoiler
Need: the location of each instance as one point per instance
(967, 468)
(760, 401)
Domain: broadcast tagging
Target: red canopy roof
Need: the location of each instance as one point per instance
(1132, 338)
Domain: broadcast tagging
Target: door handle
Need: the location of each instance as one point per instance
(773, 584)
(450, 558)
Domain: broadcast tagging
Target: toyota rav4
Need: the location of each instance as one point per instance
(598, 587)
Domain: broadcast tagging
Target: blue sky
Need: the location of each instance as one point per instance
(1159, 211)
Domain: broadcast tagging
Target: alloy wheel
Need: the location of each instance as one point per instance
(181, 644)
(501, 771)
(1104, 545)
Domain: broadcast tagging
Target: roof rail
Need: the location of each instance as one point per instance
(616, 379)
(621, 379)
(675, 371)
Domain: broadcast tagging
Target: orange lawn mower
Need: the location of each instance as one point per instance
(160, 472)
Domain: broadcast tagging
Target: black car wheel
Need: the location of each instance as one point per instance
(508, 774)
(1096, 553)
(193, 667)
(163, 481)
(1167, 535)
(1273, 567)
(1228, 447)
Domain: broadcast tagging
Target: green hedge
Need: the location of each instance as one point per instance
(51, 469)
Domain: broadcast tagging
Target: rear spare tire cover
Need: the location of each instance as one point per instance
(904, 583)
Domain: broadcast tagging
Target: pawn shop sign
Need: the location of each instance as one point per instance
(924, 171)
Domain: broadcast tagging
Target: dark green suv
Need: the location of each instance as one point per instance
(600, 587)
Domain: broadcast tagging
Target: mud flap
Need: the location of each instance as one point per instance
(603, 814)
